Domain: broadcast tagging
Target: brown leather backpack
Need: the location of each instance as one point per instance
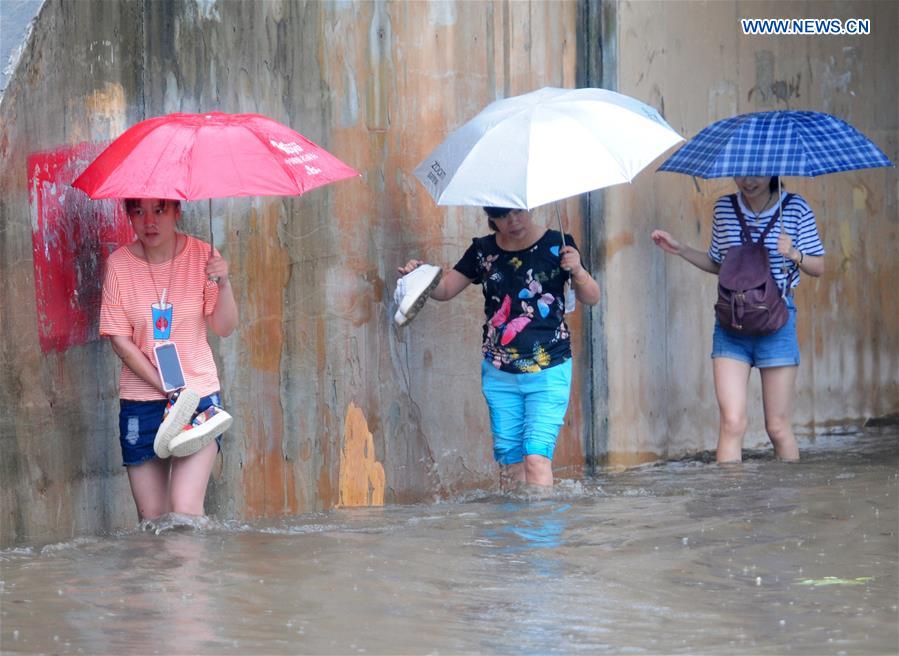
(749, 300)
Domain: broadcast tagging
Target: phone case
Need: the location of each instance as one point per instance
(168, 364)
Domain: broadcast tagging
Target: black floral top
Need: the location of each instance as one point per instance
(524, 302)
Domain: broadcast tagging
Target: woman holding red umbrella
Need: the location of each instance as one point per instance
(165, 269)
(186, 157)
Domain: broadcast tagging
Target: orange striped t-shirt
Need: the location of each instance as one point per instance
(128, 293)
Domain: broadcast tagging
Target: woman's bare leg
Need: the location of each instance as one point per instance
(511, 476)
(538, 470)
(150, 488)
(731, 387)
(190, 477)
(778, 391)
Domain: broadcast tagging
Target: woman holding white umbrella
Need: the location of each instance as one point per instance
(526, 365)
(516, 154)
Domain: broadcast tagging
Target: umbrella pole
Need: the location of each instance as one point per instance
(211, 235)
(570, 297)
(779, 206)
(783, 268)
(561, 230)
(211, 240)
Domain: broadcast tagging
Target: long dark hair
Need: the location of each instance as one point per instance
(773, 183)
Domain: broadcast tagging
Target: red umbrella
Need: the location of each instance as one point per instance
(214, 155)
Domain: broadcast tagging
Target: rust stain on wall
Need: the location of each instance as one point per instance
(847, 244)
(268, 477)
(860, 199)
(618, 243)
(268, 267)
(107, 109)
(325, 489)
(355, 295)
(362, 478)
(620, 460)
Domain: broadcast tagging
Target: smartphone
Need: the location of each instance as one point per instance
(169, 365)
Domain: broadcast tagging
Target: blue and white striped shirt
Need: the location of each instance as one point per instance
(798, 222)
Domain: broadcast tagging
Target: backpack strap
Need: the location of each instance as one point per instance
(771, 222)
(745, 234)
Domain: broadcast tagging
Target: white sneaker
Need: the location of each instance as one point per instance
(413, 289)
(204, 428)
(178, 411)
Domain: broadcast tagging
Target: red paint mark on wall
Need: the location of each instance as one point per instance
(71, 237)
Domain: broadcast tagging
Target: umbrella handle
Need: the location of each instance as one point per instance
(570, 297)
(783, 266)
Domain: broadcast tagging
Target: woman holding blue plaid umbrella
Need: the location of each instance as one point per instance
(776, 355)
(755, 149)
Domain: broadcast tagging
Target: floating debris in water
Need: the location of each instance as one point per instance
(835, 580)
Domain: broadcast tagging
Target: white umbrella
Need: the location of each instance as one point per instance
(543, 146)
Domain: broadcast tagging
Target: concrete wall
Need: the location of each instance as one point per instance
(691, 61)
(332, 403)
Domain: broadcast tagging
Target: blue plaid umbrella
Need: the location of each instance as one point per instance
(776, 143)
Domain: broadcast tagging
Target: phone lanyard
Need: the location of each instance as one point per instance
(161, 313)
(161, 298)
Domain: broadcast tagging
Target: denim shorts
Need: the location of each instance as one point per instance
(139, 421)
(526, 410)
(779, 349)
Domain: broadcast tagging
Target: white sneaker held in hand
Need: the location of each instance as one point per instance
(204, 428)
(178, 412)
(413, 289)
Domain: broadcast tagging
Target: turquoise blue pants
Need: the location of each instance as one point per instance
(526, 410)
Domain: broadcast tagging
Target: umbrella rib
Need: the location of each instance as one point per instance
(471, 151)
(804, 137)
(159, 160)
(234, 159)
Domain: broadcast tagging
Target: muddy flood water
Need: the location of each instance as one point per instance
(678, 558)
